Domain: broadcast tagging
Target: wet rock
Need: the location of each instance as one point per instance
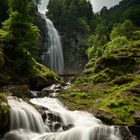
(67, 127)
(42, 111)
(44, 116)
(54, 118)
(35, 93)
(38, 83)
(135, 130)
(57, 126)
(126, 133)
(51, 90)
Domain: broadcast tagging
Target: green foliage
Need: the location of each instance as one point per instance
(120, 80)
(110, 80)
(124, 10)
(136, 35)
(133, 13)
(117, 100)
(19, 38)
(116, 43)
(97, 45)
(124, 29)
(71, 16)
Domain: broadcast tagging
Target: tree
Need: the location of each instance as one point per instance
(18, 36)
(3, 11)
(70, 15)
(124, 29)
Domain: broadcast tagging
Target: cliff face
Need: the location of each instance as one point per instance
(74, 48)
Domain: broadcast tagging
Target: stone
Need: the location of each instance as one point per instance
(49, 91)
(135, 130)
(135, 90)
(126, 133)
(104, 116)
(17, 90)
(67, 127)
(136, 117)
(54, 118)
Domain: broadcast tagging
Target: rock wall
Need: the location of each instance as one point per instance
(74, 48)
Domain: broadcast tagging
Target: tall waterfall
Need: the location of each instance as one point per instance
(53, 54)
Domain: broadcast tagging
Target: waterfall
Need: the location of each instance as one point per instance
(24, 116)
(59, 123)
(52, 55)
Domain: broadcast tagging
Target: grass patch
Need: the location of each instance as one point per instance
(114, 99)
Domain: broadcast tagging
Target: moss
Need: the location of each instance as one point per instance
(32, 71)
(115, 99)
(42, 71)
(110, 83)
(2, 61)
(120, 80)
(90, 63)
(124, 64)
(41, 77)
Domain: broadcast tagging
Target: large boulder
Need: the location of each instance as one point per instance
(42, 77)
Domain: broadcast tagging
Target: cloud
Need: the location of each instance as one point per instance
(98, 4)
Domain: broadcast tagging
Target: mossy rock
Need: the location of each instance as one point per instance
(42, 77)
(90, 63)
(120, 80)
(36, 75)
(125, 64)
(2, 61)
(21, 91)
(4, 114)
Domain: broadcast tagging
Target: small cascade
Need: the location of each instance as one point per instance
(24, 116)
(52, 55)
(79, 125)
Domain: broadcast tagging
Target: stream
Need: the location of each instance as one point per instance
(55, 122)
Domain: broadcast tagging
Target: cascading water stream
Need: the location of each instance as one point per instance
(27, 124)
(52, 55)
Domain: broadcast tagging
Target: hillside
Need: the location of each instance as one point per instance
(109, 85)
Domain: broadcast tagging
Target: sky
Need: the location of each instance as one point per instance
(98, 4)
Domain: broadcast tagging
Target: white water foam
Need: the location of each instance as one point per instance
(27, 124)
